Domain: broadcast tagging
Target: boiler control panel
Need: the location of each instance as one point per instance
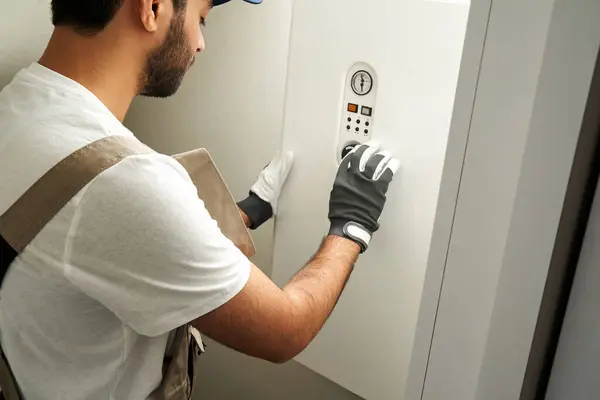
(357, 122)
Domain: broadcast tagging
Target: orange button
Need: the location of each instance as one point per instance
(353, 107)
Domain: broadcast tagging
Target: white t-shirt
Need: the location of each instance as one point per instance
(86, 310)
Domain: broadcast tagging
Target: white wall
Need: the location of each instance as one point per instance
(227, 375)
(24, 30)
(232, 103)
(532, 90)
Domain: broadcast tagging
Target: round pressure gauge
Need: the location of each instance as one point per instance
(362, 83)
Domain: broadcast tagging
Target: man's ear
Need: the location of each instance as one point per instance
(152, 12)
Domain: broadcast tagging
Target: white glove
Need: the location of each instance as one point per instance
(272, 178)
(261, 203)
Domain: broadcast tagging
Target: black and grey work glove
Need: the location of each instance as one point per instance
(359, 193)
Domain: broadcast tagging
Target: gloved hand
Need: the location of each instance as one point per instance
(359, 193)
(262, 202)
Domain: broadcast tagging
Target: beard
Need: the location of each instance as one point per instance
(168, 64)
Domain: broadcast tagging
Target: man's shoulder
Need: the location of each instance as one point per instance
(141, 189)
(146, 173)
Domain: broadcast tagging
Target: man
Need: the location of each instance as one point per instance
(87, 308)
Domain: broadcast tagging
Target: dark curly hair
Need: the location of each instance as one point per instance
(90, 16)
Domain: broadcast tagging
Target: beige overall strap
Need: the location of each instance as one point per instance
(30, 213)
(28, 216)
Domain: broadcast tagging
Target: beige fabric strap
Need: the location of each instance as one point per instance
(42, 201)
(28, 216)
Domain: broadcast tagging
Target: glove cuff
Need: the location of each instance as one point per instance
(258, 210)
(353, 231)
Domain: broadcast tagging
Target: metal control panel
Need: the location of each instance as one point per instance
(358, 112)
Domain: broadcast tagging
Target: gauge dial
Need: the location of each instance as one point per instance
(362, 83)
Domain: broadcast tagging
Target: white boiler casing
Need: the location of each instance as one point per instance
(396, 63)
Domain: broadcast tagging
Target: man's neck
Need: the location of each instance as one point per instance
(97, 64)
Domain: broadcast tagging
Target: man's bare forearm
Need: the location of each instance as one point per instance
(316, 289)
(276, 324)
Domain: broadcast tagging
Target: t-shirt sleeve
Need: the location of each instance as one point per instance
(143, 245)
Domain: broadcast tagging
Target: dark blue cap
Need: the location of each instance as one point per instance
(219, 2)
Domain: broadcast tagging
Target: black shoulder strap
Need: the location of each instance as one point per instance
(7, 256)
